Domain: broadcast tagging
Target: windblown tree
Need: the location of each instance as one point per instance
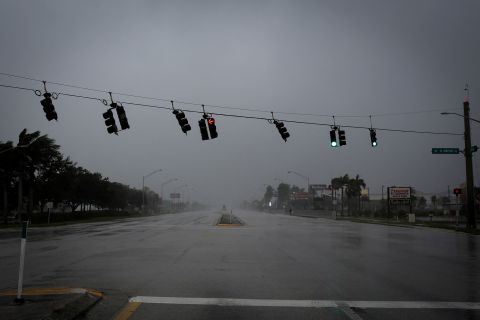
(283, 192)
(35, 154)
(36, 171)
(267, 197)
(354, 190)
(340, 183)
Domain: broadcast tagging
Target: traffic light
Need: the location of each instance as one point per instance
(48, 107)
(373, 137)
(203, 129)
(182, 121)
(282, 130)
(333, 138)
(122, 117)
(110, 122)
(212, 127)
(341, 137)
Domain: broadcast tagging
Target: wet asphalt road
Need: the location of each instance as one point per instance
(273, 256)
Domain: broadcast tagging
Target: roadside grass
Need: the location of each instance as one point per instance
(62, 219)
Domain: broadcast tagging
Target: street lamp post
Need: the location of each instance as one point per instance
(304, 177)
(165, 183)
(143, 185)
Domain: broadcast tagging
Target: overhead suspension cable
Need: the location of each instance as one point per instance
(237, 115)
(249, 109)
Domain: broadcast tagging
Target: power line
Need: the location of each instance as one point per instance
(241, 116)
(249, 109)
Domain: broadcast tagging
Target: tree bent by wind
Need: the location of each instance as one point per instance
(34, 172)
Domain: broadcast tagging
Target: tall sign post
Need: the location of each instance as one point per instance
(23, 244)
(399, 196)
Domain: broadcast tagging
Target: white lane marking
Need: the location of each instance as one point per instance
(311, 303)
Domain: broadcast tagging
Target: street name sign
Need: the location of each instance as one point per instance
(445, 151)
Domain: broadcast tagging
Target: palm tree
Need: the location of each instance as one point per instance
(340, 183)
(35, 155)
(354, 189)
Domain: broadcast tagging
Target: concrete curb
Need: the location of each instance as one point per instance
(76, 308)
(73, 308)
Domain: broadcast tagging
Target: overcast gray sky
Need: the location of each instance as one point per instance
(319, 57)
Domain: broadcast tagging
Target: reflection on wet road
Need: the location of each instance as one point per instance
(271, 257)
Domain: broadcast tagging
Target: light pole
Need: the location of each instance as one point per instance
(165, 183)
(467, 152)
(143, 185)
(304, 177)
(458, 114)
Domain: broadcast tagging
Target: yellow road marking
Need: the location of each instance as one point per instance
(127, 311)
(51, 291)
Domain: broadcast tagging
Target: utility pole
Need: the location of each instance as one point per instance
(467, 152)
(471, 223)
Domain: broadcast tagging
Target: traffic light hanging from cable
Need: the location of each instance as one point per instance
(182, 121)
(212, 128)
(202, 123)
(48, 107)
(341, 137)
(122, 117)
(333, 138)
(110, 122)
(282, 130)
(373, 137)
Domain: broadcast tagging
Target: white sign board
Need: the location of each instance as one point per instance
(49, 205)
(399, 193)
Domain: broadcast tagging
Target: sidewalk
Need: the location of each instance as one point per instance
(48, 303)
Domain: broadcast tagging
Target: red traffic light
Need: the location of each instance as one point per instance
(457, 191)
(211, 121)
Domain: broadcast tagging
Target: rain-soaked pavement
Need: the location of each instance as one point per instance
(270, 268)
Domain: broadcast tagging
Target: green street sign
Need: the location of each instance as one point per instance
(445, 151)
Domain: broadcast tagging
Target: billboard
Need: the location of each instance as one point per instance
(175, 195)
(399, 193)
(300, 196)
